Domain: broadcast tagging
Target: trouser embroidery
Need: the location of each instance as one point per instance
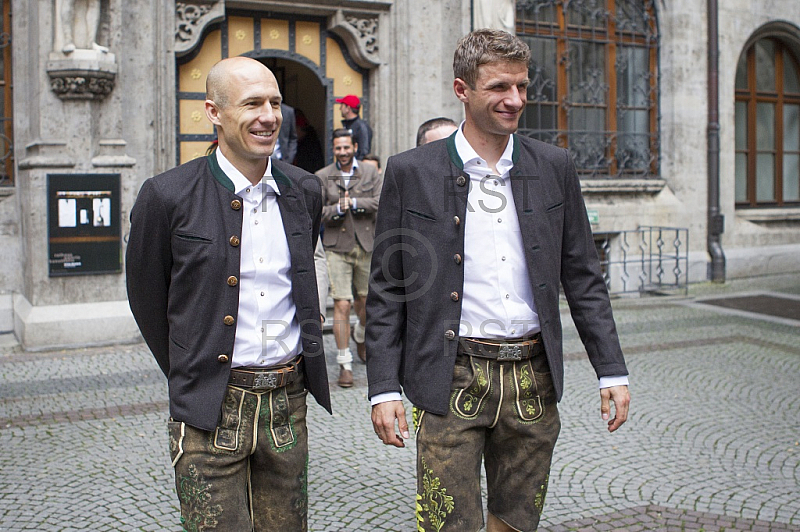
(433, 503)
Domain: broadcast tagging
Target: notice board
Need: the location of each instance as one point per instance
(83, 223)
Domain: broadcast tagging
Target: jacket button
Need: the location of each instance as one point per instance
(457, 258)
(234, 241)
(232, 280)
(222, 359)
(236, 205)
(228, 320)
(454, 296)
(457, 220)
(344, 229)
(449, 334)
(461, 181)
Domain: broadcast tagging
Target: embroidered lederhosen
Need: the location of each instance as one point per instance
(504, 412)
(251, 471)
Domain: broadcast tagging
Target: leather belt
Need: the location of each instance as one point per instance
(502, 350)
(264, 380)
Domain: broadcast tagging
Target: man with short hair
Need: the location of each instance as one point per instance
(435, 129)
(362, 133)
(350, 193)
(474, 237)
(220, 274)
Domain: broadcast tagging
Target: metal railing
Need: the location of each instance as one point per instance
(648, 260)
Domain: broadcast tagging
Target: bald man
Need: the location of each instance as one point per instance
(221, 281)
(435, 129)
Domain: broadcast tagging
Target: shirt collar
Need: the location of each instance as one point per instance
(240, 182)
(474, 163)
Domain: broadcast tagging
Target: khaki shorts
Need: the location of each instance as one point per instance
(349, 271)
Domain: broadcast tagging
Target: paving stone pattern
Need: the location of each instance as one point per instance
(712, 443)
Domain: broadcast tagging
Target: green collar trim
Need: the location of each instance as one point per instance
(217, 172)
(451, 149)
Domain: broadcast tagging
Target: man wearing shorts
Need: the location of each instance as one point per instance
(474, 236)
(350, 193)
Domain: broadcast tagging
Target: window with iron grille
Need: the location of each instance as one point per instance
(594, 82)
(768, 126)
(6, 131)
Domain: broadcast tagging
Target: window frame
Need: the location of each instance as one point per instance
(610, 38)
(751, 97)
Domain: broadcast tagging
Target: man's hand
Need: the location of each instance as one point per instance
(383, 419)
(345, 202)
(616, 394)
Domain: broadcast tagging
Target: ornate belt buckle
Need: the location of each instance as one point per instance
(268, 381)
(509, 352)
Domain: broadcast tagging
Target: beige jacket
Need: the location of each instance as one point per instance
(342, 231)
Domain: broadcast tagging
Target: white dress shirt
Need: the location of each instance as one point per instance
(267, 331)
(497, 301)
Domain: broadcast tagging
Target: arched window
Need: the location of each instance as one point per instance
(594, 82)
(767, 126)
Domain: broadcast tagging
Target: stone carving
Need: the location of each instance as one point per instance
(190, 20)
(360, 34)
(367, 29)
(81, 87)
(78, 32)
(188, 15)
(82, 74)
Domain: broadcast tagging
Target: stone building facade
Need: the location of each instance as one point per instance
(624, 84)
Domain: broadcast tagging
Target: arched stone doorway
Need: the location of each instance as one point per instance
(312, 65)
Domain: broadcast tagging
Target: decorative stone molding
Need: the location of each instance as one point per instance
(622, 186)
(83, 75)
(360, 34)
(191, 18)
(46, 154)
(111, 153)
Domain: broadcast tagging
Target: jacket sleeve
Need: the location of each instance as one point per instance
(329, 202)
(386, 301)
(369, 204)
(148, 260)
(584, 285)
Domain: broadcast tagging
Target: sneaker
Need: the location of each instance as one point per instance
(345, 378)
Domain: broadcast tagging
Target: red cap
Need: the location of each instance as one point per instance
(351, 100)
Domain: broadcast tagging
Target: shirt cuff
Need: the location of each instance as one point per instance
(354, 203)
(385, 398)
(339, 209)
(613, 380)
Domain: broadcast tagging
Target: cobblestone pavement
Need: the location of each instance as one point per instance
(712, 443)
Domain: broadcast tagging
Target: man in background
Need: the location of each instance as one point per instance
(350, 106)
(286, 149)
(435, 129)
(350, 193)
